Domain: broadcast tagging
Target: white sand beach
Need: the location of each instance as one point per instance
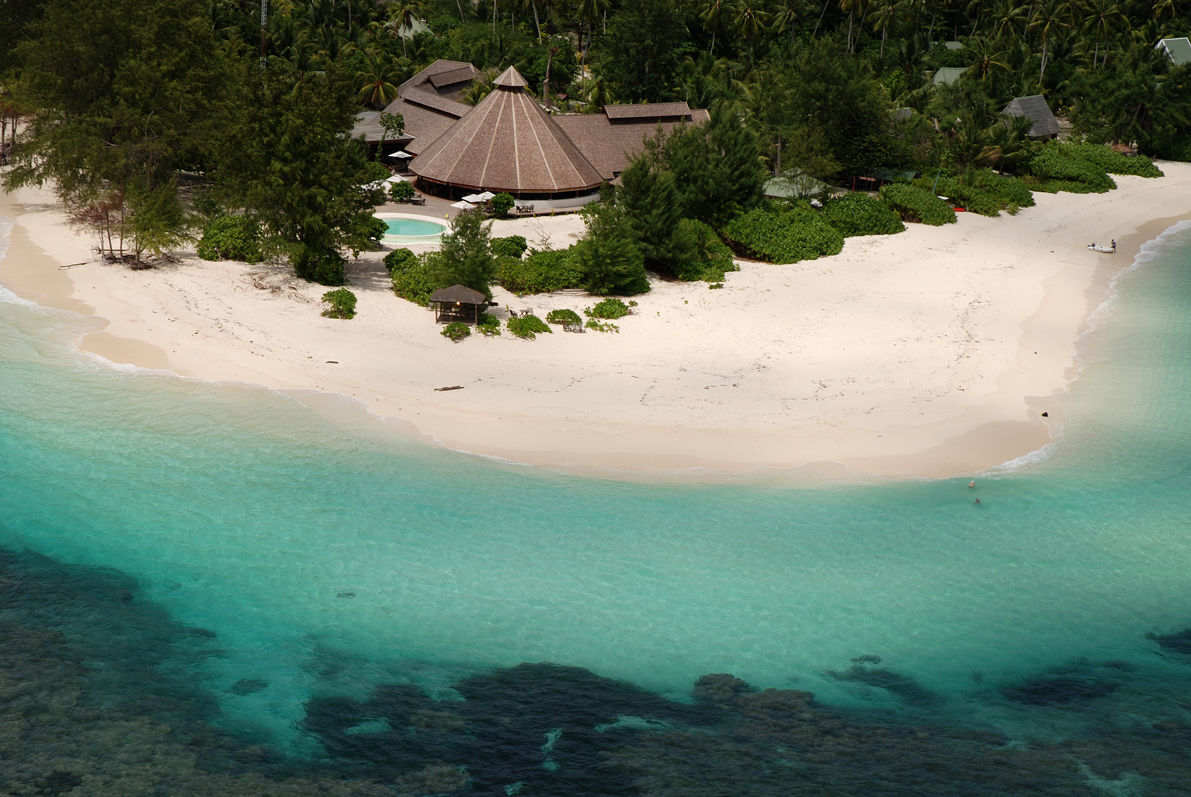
(925, 354)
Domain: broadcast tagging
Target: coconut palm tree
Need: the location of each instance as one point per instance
(751, 18)
(1101, 19)
(1009, 20)
(712, 13)
(886, 11)
(1049, 16)
(402, 15)
(987, 58)
(785, 15)
(378, 78)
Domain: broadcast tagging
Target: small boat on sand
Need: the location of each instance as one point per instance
(1108, 250)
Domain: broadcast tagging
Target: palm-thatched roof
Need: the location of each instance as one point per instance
(460, 294)
(507, 143)
(1036, 110)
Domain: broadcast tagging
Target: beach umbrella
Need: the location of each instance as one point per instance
(463, 205)
(400, 155)
(396, 179)
(484, 197)
(474, 198)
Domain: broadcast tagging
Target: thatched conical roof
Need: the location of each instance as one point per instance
(507, 143)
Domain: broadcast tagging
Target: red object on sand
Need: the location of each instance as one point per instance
(960, 210)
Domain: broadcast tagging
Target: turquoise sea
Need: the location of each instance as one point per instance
(283, 589)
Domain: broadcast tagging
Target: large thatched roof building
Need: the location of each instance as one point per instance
(507, 143)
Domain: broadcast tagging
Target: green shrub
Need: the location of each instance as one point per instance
(565, 317)
(608, 308)
(501, 204)
(783, 236)
(860, 214)
(324, 266)
(456, 331)
(231, 238)
(608, 258)
(377, 230)
(399, 260)
(601, 326)
(1111, 161)
(402, 191)
(1178, 150)
(342, 304)
(413, 277)
(916, 204)
(541, 272)
(512, 246)
(527, 326)
(1060, 167)
(710, 258)
(983, 191)
(488, 325)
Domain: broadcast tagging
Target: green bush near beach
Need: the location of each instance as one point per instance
(783, 235)
(541, 272)
(707, 258)
(565, 317)
(231, 238)
(527, 327)
(456, 331)
(342, 304)
(413, 277)
(1084, 168)
(916, 204)
(399, 260)
(981, 191)
(860, 214)
(608, 308)
(512, 246)
(501, 204)
(488, 325)
(1110, 160)
(402, 191)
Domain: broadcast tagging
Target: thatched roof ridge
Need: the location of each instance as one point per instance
(1035, 109)
(453, 76)
(458, 293)
(609, 145)
(442, 104)
(510, 78)
(423, 79)
(507, 143)
(648, 110)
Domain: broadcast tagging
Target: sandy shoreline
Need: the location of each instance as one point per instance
(925, 354)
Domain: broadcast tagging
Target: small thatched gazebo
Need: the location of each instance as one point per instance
(457, 303)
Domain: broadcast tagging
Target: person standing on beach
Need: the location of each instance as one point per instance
(1114, 246)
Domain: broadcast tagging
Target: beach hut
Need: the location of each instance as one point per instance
(457, 303)
(507, 143)
(1177, 50)
(948, 75)
(1037, 111)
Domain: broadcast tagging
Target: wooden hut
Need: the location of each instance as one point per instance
(457, 303)
(506, 143)
(1037, 111)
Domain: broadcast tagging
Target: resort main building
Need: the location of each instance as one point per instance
(508, 142)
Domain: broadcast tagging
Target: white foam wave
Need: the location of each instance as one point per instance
(1035, 457)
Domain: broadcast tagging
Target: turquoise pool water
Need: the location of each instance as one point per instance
(414, 228)
(327, 556)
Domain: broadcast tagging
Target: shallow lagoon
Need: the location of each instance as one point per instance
(347, 576)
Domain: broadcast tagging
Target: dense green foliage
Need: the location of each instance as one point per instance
(231, 238)
(564, 317)
(399, 260)
(860, 214)
(456, 331)
(608, 308)
(401, 191)
(708, 257)
(527, 326)
(342, 304)
(912, 203)
(981, 191)
(608, 259)
(488, 325)
(465, 257)
(413, 278)
(501, 204)
(785, 235)
(512, 246)
(541, 272)
(1109, 160)
(1061, 168)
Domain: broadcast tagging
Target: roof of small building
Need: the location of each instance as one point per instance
(609, 145)
(953, 45)
(1035, 109)
(463, 74)
(1179, 50)
(947, 75)
(458, 293)
(649, 110)
(442, 77)
(507, 143)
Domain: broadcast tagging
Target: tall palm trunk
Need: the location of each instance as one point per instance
(536, 25)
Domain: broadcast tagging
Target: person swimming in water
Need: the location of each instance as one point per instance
(972, 485)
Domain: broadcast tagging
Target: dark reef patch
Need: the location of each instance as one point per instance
(97, 697)
(1177, 642)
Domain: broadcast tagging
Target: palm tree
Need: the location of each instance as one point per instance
(785, 15)
(852, 7)
(1049, 16)
(523, 4)
(712, 14)
(589, 11)
(1101, 18)
(377, 80)
(887, 11)
(986, 58)
(1008, 20)
(751, 18)
(402, 15)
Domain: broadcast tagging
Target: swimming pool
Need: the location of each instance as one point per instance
(406, 230)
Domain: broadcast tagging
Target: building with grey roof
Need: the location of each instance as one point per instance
(1178, 50)
(1036, 110)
